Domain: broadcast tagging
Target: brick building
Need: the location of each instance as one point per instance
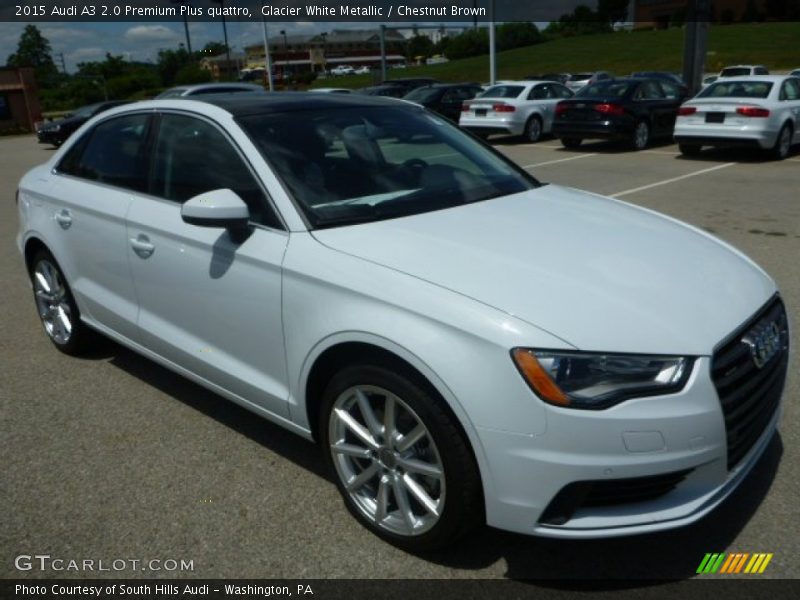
(19, 100)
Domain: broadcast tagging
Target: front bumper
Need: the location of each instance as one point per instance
(640, 438)
(48, 136)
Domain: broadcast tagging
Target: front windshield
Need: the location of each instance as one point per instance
(362, 164)
(173, 93)
(580, 77)
(737, 89)
(85, 111)
(423, 94)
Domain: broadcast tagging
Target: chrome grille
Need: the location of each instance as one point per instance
(750, 386)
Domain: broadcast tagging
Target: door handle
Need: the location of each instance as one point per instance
(142, 247)
(63, 218)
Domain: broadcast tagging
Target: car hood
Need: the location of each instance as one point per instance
(600, 274)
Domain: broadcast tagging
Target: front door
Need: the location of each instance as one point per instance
(209, 303)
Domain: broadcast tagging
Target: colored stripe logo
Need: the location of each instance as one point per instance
(735, 562)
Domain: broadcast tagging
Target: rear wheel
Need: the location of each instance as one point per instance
(641, 135)
(56, 305)
(783, 143)
(689, 149)
(400, 462)
(571, 142)
(533, 130)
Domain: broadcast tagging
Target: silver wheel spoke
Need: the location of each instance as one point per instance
(418, 466)
(421, 495)
(382, 500)
(411, 438)
(359, 480)
(403, 503)
(389, 428)
(351, 450)
(66, 324)
(43, 283)
(370, 419)
(356, 428)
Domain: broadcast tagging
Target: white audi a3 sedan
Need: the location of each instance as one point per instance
(760, 111)
(466, 344)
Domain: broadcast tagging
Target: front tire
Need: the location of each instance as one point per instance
(401, 463)
(56, 306)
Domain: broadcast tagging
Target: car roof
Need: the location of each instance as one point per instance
(770, 78)
(211, 86)
(275, 102)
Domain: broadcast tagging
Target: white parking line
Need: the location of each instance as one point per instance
(671, 180)
(552, 162)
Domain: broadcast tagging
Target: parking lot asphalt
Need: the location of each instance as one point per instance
(113, 457)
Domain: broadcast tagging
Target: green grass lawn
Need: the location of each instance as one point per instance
(776, 45)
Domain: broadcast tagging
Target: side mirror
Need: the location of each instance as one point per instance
(217, 208)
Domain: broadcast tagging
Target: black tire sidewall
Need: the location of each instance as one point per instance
(463, 508)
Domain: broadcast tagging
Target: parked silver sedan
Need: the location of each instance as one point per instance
(757, 111)
(514, 107)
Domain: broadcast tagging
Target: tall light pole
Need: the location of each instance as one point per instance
(267, 60)
(324, 36)
(225, 33)
(185, 27)
(285, 55)
(492, 49)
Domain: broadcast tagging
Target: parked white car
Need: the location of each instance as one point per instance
(343, 70)
(743, 71)
(363, 70)
(466, 344)
(523, 108)
(759, 112)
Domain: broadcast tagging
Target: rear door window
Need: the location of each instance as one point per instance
(112, 153)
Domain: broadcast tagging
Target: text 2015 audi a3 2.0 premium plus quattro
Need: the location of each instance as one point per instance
(466, 344)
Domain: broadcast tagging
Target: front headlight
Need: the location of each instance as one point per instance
(590, 380)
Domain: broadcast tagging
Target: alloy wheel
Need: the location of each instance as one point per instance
(52, 302)
(641, 135)
(387, 460)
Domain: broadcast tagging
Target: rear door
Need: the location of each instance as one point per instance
(206, 302)
(651, 101)
(94, 185)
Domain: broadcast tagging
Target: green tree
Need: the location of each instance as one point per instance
(192, 73)
(419, 45)
(169, 63)
(33, 50)
(472, 42)
(212, 49)
(517, 35)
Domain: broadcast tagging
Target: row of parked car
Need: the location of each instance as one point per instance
(742, 106)
(760, 111)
